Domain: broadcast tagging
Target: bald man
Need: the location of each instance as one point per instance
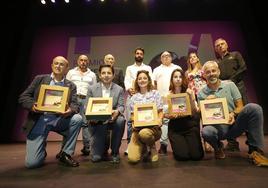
(39, 123)
(109, 59)
(83, 78)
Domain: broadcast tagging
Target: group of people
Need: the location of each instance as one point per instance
(185, 133)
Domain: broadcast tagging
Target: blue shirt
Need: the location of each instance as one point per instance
(227, 89)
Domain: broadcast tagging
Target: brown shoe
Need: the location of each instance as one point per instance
(258, 159)
(219, 154)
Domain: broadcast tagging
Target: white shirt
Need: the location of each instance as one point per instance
(131, 73)
(82, 80)
(106, 91)
(161, 75)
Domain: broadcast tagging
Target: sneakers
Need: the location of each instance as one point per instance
(258, 159)
(232, 146)
(163, 150)
(115, 159)
(85, 151)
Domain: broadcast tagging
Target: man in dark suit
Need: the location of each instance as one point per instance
(39, 123)
(98, 129)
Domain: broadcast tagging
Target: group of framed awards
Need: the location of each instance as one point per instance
(213, 111)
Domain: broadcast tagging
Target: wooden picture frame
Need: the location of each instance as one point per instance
(214, 111)
(99, 108)
(145, 115)
(179, 103)
(52, 98)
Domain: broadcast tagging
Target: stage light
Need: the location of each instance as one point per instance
(67, 1)
(43, 2)
(53, 1)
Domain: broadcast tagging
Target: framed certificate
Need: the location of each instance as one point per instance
(145, 115)
(214, 111)
(52, 98)
(99, 108)
(179, 103)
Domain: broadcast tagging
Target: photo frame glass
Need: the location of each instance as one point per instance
(179, 103)
(145, 115)
(52, 98)
(99, 108)
(214, 111)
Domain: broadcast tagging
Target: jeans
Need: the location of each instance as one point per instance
(99, 133)
(164, 135)
(36, 140)
(249, 120)
(85, 132)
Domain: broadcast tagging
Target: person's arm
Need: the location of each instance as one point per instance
(94, 78)
(160, 117)
(238, 107)
(238, 75)
(194, 105)
(26, 99)
(120, 106)
(73, 106)
(127, 81)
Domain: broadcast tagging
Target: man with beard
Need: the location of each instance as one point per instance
(232, 67)
(130, 76)
(83, 77)
(248, 118)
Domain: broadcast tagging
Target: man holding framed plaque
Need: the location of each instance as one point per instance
(248, 118)
(98, 129)
(40, 123)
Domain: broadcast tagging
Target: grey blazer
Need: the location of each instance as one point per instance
(117, 93)
(30, 96)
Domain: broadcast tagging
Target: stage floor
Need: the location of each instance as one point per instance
(234, 171)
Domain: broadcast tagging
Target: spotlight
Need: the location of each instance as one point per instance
(43, 2)
(67, 1)
(53, 1)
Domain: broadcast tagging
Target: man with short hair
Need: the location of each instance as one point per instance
(39, 123)
(248, 118)
(98, 129)
(161, 77)
(83, 77)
